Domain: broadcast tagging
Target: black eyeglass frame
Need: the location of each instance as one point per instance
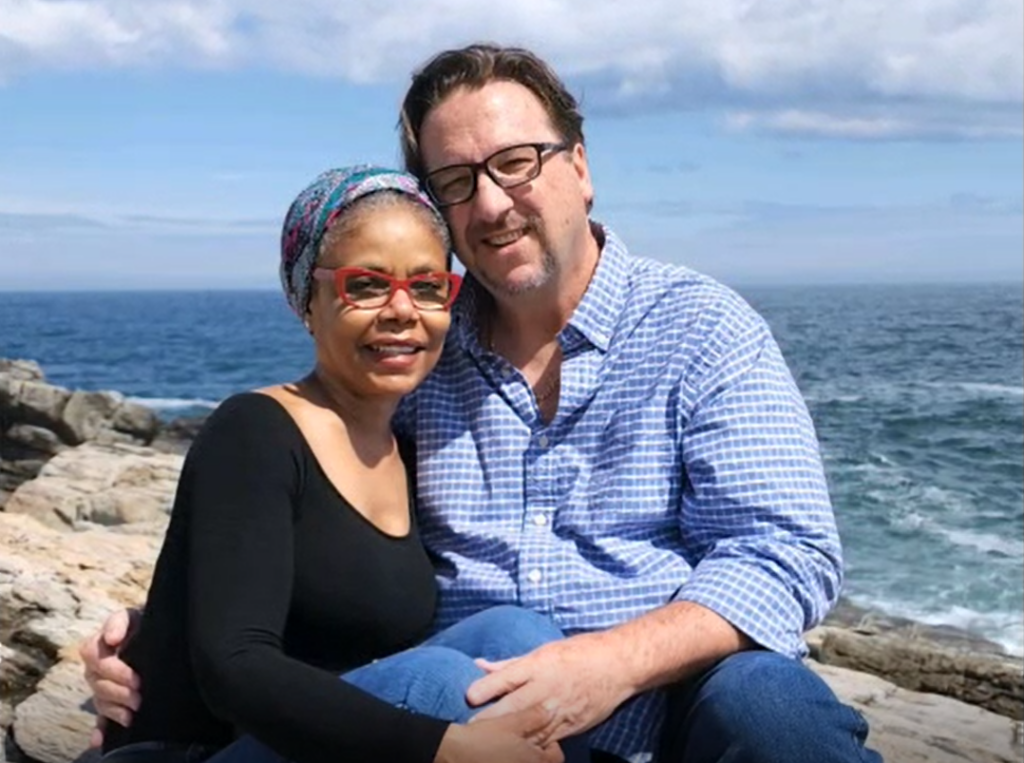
(475, 168)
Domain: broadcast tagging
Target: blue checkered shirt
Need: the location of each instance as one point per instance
(682, 465)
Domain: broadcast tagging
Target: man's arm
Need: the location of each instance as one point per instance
(757, 516)
(583, 679)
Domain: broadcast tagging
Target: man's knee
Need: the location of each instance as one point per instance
(749, 689)
(771, 706)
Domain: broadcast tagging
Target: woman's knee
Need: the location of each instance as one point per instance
(514, 630)
(438, 685)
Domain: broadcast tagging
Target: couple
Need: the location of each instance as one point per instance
(613, 445)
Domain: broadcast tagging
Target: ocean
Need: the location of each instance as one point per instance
(917, 393)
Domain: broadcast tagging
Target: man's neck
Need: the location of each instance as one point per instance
(520, 325)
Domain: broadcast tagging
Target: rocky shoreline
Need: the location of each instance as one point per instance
(86, 483)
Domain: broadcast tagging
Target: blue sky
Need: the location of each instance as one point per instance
(158, 144)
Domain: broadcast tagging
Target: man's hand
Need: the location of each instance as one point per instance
(575, 680)
(115, 686)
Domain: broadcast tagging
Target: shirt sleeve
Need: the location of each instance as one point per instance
(244, 478)
(756, 510)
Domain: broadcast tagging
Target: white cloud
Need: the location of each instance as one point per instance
(58, 224)
(889, 124)
(867, 69)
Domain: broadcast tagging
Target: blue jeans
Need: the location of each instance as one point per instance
(432, 678)
(761, 707)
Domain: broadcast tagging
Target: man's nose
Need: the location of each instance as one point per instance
(490, 201)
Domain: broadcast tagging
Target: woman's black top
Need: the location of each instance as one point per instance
(269, 585)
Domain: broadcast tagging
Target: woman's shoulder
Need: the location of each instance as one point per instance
(248, 414)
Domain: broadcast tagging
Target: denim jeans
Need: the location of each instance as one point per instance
(432, 678)
(761, 707)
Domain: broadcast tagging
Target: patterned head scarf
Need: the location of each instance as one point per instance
(313, 211)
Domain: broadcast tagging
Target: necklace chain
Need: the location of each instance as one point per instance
(549, 389)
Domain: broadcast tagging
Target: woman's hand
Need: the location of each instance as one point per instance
(507, 739)
(115, 686)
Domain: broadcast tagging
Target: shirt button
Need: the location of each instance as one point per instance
(535, 576)
(540, 520)
(543, 441)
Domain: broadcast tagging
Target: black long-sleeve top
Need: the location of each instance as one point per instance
(269, 585)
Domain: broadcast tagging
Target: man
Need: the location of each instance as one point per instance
(610, 441)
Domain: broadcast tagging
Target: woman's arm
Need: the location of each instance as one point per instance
(244, 480)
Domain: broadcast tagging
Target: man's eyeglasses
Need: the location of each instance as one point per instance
(371, 289)
(508, 168)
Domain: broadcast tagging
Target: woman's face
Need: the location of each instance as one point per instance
(387, 350)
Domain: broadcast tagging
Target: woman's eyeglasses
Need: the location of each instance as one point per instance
(371, 289)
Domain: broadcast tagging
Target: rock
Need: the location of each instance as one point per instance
(38, 420)
(913, 727)
(53, 725)
(176, 436)
(108, 417)
(990, 681)
(35, 402)
(849, 616)
(21, 370)
(14, 473)
(55, 589)
(35, 439)
(137, 421)
(103, 484)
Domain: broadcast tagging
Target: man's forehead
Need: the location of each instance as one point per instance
(469, 125)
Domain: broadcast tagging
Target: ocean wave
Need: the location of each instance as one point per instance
(165, 404)
(898, 392)
(979, 388)
(916, 514)
(984, 542)
(826, 398)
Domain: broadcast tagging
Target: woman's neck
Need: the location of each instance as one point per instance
(367, 419)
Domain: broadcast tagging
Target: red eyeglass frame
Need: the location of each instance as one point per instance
(338, 275)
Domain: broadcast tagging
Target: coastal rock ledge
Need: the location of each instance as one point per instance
(79, 541)
(38, 420)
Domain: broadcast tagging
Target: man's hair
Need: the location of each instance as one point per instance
(473, 67)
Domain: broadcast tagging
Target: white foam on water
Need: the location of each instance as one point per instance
(985, 542)
(910, 520)
(883, 459)
(822, 398)
(979, 388)
(173, 403)
(933, 496)
(919, 520)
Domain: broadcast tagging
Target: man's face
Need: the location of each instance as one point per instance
(514, 240)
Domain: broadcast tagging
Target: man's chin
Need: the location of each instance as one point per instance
(518, 282)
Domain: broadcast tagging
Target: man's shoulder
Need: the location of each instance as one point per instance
(667, 291)
(673, 284)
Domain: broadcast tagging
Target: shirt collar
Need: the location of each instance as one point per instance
(594, 318)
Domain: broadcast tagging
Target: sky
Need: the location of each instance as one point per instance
(157, 144)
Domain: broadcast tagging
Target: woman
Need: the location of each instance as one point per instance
(292, 555)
